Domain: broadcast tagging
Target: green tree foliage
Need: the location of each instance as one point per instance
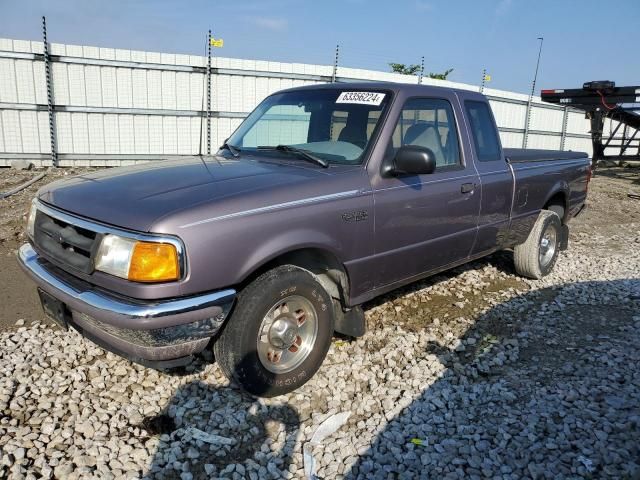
(440, 76)
(404, 69)
(414, 69)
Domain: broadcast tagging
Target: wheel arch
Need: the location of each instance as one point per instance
(319, 260)
(557, 202)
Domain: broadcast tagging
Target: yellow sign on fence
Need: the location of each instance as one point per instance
(219, 43)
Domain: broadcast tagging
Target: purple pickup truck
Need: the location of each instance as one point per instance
(323, 198)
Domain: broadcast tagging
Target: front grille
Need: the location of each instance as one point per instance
(66, 244)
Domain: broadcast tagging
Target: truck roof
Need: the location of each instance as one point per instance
(408, 88)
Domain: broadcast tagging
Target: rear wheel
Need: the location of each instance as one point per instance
(278, 334)
(536, 257)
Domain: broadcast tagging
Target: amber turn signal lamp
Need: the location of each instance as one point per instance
(154, 262)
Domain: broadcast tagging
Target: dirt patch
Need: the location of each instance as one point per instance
(610, 205)
(18, 297)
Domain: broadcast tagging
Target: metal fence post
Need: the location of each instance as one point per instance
(335, 65)
(565, 119)
(209, 93)
(49, 80)
(527, 120)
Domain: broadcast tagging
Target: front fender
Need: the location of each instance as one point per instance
(287, 242)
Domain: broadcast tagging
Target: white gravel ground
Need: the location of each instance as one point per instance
(471, 374)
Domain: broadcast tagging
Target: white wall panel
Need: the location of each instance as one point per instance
(578, 144)
(546, 119)
(169, 135)
(127, 134)
(111, 134)
(11, 131)
(29, 132)
(235, 94)
(511, 139)
(547, 142)
(80, 132)
(74, 50)
(107, 53)
(93, 86)
(64, 133)
(141, 126)
(24, 81)
(221, 92)
(196, 91)
(77, 95)
(262, 89)
(2, 146)
(221, 132)
(168, 80)
(22, 46)
(109, 87)
(139, 88)
(40, 83)
(124, 87)
(8, 88)
(508, 114)
(57, 49)
(104, 133)
(249, 100)
(183, 130)
(154, 89)
(43, 132)
(123, 55)
(155, 135)
(576, 123)
(183, 91)
(91, 52)
(60, 84)
(196, 129)
(95, 126)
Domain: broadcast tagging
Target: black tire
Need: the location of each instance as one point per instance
(527, 255)
(236, 348)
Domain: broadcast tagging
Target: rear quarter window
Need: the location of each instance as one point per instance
(483, 130)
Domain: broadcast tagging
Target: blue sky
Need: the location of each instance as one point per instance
(585, 40)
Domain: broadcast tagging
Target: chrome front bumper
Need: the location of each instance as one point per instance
(143, 331)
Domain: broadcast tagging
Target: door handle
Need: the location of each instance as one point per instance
(467, 187)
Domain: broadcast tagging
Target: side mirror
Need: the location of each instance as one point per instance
(414, 160)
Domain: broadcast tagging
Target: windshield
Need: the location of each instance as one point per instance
(334, 125)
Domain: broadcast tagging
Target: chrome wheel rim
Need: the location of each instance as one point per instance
(548, 244)
(287, 334)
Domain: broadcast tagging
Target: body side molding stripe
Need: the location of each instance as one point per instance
(279, 206)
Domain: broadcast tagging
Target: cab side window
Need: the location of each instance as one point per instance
(429, 123)
(485, 136)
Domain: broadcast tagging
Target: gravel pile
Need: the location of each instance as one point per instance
(472, 374)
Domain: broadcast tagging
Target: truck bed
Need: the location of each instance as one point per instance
(516, 155)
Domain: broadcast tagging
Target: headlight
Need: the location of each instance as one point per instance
(31, 219)
(138, 261)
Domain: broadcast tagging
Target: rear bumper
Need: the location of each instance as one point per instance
(160, 334)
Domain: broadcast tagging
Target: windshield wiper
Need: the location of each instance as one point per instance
(235, 151)
(304, 154)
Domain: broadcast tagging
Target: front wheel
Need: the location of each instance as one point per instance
(536, 257)
(278, 334)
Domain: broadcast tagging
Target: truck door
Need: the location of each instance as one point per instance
(496, 181)
(425, 222)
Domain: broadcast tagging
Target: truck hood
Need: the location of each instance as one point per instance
(138, 197)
